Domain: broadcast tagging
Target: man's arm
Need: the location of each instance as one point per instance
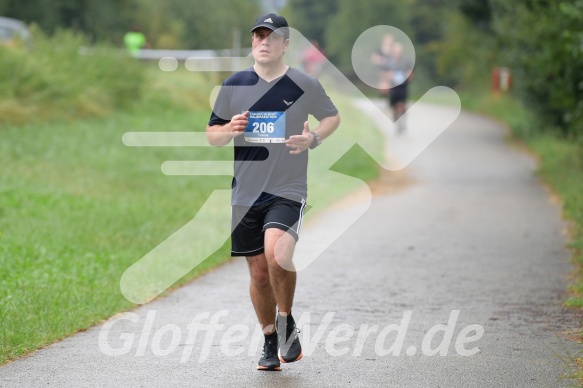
(325, 128)
(220, 135)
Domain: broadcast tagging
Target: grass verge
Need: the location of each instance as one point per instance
(49, 79)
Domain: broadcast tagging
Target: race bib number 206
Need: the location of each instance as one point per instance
(265, 127)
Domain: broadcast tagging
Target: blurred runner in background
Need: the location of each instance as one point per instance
(400, 71)
(135, 40)
(382, 58)
(313, 59)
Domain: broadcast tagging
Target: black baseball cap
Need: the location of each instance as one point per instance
(274, 22)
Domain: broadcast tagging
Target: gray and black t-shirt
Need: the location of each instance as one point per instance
(278, 109)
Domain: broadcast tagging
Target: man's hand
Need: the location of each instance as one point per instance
(239, 123)
(220, 135)
(301, 142)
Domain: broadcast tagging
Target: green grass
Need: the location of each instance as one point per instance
(77, 207)
(49, 80)
(561, 165)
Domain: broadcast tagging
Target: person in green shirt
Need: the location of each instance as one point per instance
(134, 41)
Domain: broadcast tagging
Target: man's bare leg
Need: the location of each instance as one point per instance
(273, 282)
(279, 249)
(264, 302)
(261, 291)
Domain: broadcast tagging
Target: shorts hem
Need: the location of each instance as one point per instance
(254, 252)
(283, 227)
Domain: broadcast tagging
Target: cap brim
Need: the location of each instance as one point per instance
(279, 31)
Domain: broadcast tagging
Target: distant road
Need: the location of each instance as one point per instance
(185, 54)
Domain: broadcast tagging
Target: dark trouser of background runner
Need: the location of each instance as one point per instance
(398, 103)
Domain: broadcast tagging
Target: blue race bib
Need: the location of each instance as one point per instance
(265, 127)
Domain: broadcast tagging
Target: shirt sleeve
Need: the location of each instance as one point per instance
(321, 105)
(222, 114)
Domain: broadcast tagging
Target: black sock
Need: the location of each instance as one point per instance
(271, 337)
(288, 319)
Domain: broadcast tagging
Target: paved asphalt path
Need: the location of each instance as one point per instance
(468, 239)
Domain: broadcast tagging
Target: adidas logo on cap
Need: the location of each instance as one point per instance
(271, 21)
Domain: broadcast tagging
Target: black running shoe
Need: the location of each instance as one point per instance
(269, 359)
(290, 349)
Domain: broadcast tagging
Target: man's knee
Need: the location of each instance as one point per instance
(279, 247)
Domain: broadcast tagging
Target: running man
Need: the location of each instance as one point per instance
(264, 110)
(381, 58)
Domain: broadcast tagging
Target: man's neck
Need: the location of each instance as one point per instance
(270, 72)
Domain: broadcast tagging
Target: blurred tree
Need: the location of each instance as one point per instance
(478, 12)
(428, 20)
(540, 40)
(543, 42)
(352, 19)
(192, 24)
(38, 11)
(100, 20)
(464, 56)
(205, 25)
(311, 18)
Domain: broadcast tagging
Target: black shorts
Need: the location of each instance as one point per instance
(398, 94)
(248, 224)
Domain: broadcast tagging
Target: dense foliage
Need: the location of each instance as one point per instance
(543, 42)
(457, 42)
(192, 24)
(53, 80)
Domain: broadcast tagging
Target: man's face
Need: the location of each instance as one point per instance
(268, 46)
